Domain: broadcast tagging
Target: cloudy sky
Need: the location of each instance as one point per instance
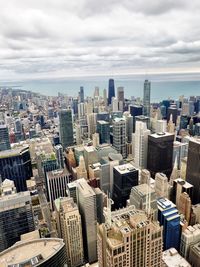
(63, 38)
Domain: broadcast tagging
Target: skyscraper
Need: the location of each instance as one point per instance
(87, 208)
(146, 97)
(103, 129)
(120, 97)
(4, 138)
(160, 153)
(140, 144)
(16, 216)
(92, 124)
(128, 238)
(135, 110)
(111, 90)
(193, 169)
(81, 94)
(15, 164)
(70, 229)
(119, 135)
(66, 127)
(125, 177)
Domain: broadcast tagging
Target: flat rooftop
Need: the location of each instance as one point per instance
(173, 259)
(38, 250)
(161, 135)
(13, 152)
(125, 168)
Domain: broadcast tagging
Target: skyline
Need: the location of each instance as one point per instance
(82, 39)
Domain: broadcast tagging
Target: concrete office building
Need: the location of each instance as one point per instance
(87, 207)
(143, 197)
(70, 229)
(161, 185)
(16, 217)
(57, 181)
(66, 127)
(171, 258)
(44, 252)
(123, 240)
(59, 156)
(119, 135)
(194, 255)
(140, 144)
(92, 124)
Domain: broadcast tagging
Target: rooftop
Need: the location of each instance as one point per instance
(161, 134)
(173, 259)
(13, 152)
(30, 253)
(125, 168)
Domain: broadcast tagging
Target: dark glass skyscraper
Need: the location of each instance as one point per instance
(111, 90)
(81, 94)
(135, 110)
(66, 127)
(160, 153)
(15, 164)
(193, 169)
(146, 98)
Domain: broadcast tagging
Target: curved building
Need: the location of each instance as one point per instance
(44, 252)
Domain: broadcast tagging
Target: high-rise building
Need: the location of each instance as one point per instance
(161, 185)
(194, 254)
(59, 156)
(119, 135)
(120, 97)
(95, 139)
(160, 153)
(16, 217)
(193, 169)
(103, 129)
(115, 103)
(66, 128)
(43, 252)
(169, 217)
(15, 164)
(129, 126)
(81, 169)
(111, 90)
(56, 184)
(125, 177)
(70, 229)
(81, 94)
(146, 97)
(128, 238)
(4, 138)
(171, 258)
(87, 208)
(140, 144)
(92, 124)
(143, 197)
(105, 99)
(135, 110)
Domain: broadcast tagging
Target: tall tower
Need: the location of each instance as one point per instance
(66, 127)
(120, 97)
(70, 229)
(88, 211)
(119, 135)
(16, 215)
(146, 97)
(140, 144)
(128, 238)
(160, 153)
(81, 94)
(193, 169)
(111, 90)
(92, 124)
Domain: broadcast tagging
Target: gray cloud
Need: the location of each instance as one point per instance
(47, 38)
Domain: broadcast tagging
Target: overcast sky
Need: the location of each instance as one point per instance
(63, 38)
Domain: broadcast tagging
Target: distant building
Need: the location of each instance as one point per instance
(66, 127)
(119, 135)
(4, 138)
(147, 97)
(111, 90)
(81, 94)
